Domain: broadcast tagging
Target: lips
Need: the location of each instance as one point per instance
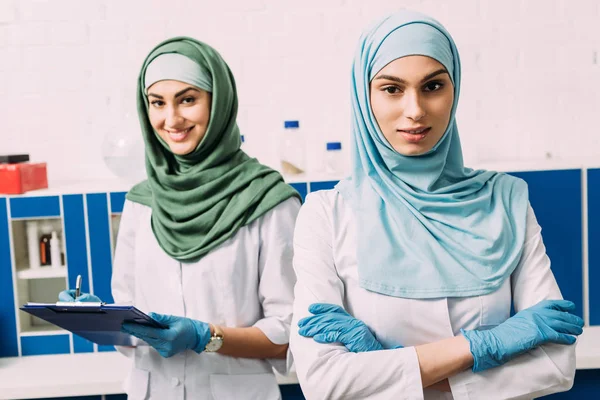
(416, 131)
(179, 136)
(414, 135)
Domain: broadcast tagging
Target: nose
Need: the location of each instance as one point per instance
(173, 118)
(413, 106)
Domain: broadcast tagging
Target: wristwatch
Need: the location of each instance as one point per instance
(216, 340)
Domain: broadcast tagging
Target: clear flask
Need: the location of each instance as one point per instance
(334, 158)
(292, 149)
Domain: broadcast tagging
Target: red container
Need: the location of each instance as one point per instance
(22, 177)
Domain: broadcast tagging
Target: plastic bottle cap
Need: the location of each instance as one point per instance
(54, 235)
(334, 146)
(291, 124)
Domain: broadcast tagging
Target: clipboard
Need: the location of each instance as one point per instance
(97, 322)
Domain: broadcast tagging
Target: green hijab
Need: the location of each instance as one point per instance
(199, 200)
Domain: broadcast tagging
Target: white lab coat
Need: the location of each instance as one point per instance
(326, 269)
(246, 281)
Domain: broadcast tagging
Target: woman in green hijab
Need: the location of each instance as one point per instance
(205, 243)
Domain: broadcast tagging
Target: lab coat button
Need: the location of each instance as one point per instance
(174, 382)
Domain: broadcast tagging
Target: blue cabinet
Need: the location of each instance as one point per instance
(45, 344)
(35, 207)
(76, 240)
(8, 322)
(322, 185)
(85, 221)
(586, 386)
(100, 248)
(302, 188)
(556, 198)
(593, 201)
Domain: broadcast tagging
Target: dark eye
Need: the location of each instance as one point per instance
(188, 100)
(433, 86)
(157, 103)
(391, 89)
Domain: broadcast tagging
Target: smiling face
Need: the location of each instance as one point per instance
(179, 113)
(411, 99)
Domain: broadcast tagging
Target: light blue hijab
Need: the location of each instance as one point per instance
(427, 226)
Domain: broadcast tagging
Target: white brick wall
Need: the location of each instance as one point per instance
(68, 68)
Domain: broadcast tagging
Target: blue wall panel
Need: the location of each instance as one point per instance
(8, 321)
(105, 348)
(556, 199)
(587, 386)
(302, 188)
(75, 240)
(50, 344)
(324, 185)
(35, 207)
(100, 248)
(117, 201)
(593, 182)
(81, 345)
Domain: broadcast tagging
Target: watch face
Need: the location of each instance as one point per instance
(214, 344)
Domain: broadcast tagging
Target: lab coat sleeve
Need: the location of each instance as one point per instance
(123, 276)
(547, 369)
(330, 371)
(277, 278)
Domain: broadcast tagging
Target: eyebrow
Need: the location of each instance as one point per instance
(176, 94)
(399, 80)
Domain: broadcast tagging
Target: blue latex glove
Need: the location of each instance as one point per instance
(182, 334)
(332, 324)
(549, 321)
(69, 296)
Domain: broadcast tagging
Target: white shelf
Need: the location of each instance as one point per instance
(44, 330)
(50, 376)
(43, 272)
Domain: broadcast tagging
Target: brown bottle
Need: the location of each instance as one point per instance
(45, 249)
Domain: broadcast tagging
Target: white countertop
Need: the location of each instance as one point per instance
(103, 373)
(64, 375)
(588, 348)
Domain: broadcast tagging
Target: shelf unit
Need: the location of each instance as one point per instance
(86, 224)
(35, 282)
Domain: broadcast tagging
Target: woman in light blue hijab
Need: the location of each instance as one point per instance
(419, 255)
